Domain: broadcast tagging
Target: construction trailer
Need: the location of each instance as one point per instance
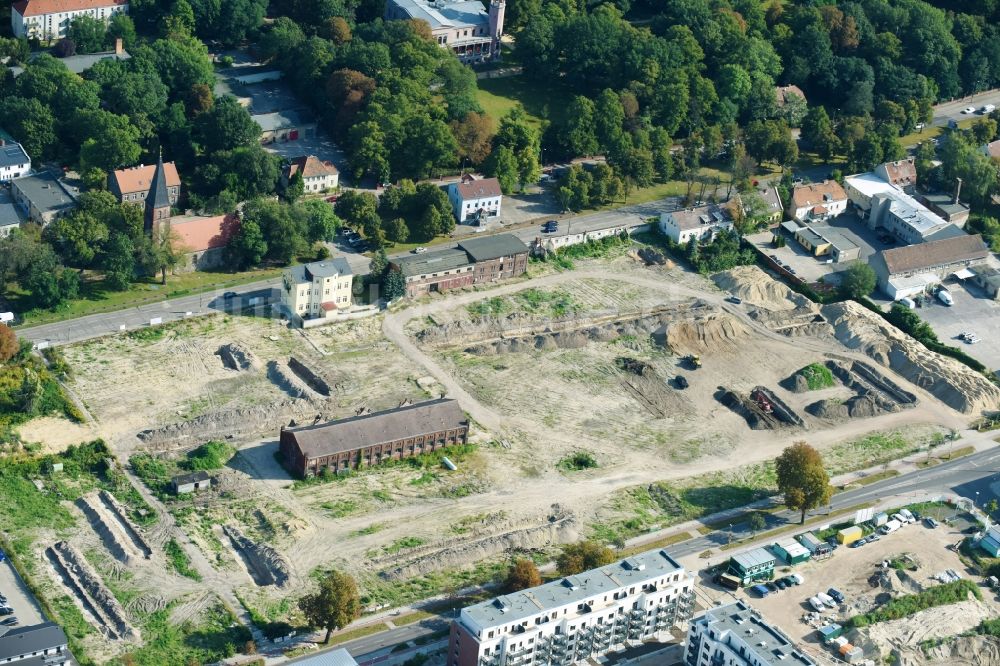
(849, 535)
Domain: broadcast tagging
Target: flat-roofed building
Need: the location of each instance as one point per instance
(14, 162)
(821, 240)
(369, 439)
(890, 208)
(986, 277)
(738, 635)
(43, 196)
(464, 26)
(701, 223)
(751, 565)
(791, 551)
(45, 640)
(576, 618)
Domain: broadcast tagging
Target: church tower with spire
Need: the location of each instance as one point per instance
(158, 199)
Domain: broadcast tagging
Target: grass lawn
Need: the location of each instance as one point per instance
(540, 101)
(95, 297)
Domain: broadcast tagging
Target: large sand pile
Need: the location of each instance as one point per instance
(939, 622)
(758, 288)
(705, 333)
(951, 382)
(963, 651)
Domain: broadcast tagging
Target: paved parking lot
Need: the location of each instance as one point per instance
(26, 608)
(972, 312)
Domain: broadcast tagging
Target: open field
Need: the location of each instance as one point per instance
(579, 428)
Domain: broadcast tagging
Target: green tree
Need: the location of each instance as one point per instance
(8, 343)
(179, 22)
(294, 189)
(159, 252)
(354, 207)
(378, 265)
(321, 222)
(88, 33)
(991, 506)
(112, 141)
(32, 124)
(858, 281)
(521, 575)
(817, 131)
(227, 125)
(393, 285)
(396, 230)
(119, 261)
(802, 479)
(122, 27)
(579, 132)
(583, 556)
(757, 522)
(246, 247)
(334, 606)
(474, 135)
(502, 164)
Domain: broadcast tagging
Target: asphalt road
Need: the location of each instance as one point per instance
(97, 325)
(979, 472)
(953, 110)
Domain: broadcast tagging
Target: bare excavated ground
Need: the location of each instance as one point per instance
(585, 360)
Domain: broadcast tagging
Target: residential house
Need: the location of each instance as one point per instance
(738, 634)
(317, 290)
(14, 162)
(991, 149)
(44, 640)
(901, 174)
(577, 619)
(782, 93)
(317, 176)
(909, 270)
(370, 439)
(818, 201)
(43, 196)
(773, 208)
(284, 126)
(472, 33)
(203, 238)
(132, 185)
(702, 223)
(474, 261)
(48, 20)
(475, 201)
(190, 482)
(9, 219)
(752, 565)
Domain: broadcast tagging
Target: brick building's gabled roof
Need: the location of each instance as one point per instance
(140, 178)
(935, 253)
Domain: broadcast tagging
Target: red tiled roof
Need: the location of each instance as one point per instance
(197, 234)
(138, 179)
(42, 7)
(820, 210)
(901, 172)
(935, 253)
(817, 193)
(328, 305)
(311, 167)
(479, 189)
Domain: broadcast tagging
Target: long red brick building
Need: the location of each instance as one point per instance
(474, 261)
(370, 439)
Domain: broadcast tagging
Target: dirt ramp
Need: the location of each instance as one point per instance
(956, 385)
(237, 357)
(756, 287)
(227, 423)
(91, 591)
(265, 565)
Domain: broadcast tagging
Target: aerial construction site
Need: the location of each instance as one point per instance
(649, 374)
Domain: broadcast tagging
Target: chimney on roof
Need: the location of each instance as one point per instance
(958, 188)
(119, 48)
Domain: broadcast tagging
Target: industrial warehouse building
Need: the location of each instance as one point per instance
(575, 619)
(791, 551)
(370, 439)
(909, 270)
(474, 261)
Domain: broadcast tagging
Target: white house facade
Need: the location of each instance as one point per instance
(703, 223)
(475, 201)
(50, 19)
(317, 290)
(14, 162)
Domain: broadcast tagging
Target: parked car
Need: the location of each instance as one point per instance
(6, 610)
(797, 578)
(930, 522)
(969, 109)
(10, 622)
(905, 513)
(771, 587)
(834, 544)
(682, 382)
(761, 590)
(836, 594)
(860, 542)
(789, 581)
(735, 300)
(817, 604)
(781, 584)
(907, 302)
(419, 250)
(826, 599)
(901, 518)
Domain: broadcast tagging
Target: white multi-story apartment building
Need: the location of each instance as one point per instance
(50, 19)
(737, 635)
(702, 223)
(577, 618)
(475, 201)
(14, 162)
(317, 290)
(464, 26)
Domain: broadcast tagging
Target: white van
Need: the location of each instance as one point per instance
(908, 302)
(899, 518)
(817, 604)
(944, 296)
(826, 599)
(890, 527)
(905, 513)
(989, 108)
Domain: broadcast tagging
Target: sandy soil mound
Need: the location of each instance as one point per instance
(758, 288)
(55, 433)
(951, 382)
(884, 637)
(963, 651)
(705, 333)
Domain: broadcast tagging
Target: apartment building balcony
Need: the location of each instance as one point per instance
(492, 660)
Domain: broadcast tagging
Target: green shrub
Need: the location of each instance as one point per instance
(209, 456)
(907, 605)
(577, 461)
(180, 561)
(818, 376)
